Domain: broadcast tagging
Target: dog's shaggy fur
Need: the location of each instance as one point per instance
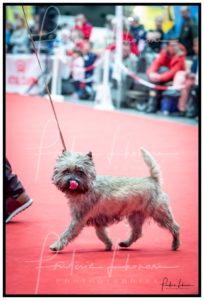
(102, 200)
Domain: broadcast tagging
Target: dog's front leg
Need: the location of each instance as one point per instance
(72, 231)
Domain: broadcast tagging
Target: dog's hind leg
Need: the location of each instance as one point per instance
(163, 216)
(103, 236)
(136, 221)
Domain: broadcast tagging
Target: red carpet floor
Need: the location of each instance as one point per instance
(32, 145)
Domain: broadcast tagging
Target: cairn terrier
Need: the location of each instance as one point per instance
(100, 201)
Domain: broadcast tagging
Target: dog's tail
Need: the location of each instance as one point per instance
(152, 164)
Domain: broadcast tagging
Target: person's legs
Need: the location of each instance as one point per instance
(180, 80)
(155, 95)
(192, 104)
(152, 104)
(127, 84)
(16, 198)
(183, 100)
(14, 187)
(76, 85)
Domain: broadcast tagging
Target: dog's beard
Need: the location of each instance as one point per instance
(72, 185)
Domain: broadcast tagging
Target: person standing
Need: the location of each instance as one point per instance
(136, 29)
(19, 38)
(189, 31)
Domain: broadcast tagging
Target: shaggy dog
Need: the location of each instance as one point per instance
(100, 201)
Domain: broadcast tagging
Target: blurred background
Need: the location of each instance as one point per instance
(90, 50)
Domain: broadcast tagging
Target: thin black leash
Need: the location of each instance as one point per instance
(46, 86)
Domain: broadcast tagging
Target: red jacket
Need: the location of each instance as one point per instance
(85, 29)
(127, 38)
(175, 64)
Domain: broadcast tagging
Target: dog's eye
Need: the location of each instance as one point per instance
(80, 172)
(65, 172)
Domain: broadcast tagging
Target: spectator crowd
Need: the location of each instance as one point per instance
(161, 59)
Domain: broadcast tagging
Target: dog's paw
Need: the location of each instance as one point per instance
(108, 247)
(57, 246)
(124, 244)
(175, 245)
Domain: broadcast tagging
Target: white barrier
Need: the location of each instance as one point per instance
(56, 83)
(149, 84)
(103, 95)
(22, 71)
(23, 74)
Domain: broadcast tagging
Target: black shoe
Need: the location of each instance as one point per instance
(178, 114)
(192, 110)
(151, 110)
(152, 105)
(191, 114)
(192, 105)
(141, 106)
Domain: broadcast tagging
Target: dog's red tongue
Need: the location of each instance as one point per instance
(73, 185)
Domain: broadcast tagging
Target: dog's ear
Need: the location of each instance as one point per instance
(89, 154)
(64, 153)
